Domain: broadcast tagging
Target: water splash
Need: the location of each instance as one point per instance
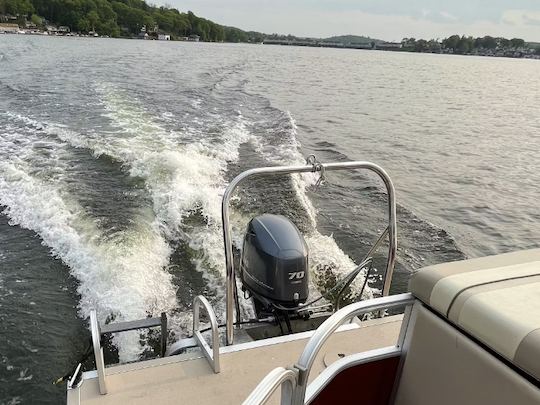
(122, 275)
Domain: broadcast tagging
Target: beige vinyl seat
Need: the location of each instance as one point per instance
(476, 339)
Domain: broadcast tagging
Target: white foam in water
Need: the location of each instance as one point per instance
(184, 173)
(183, 176)
(324, 251)
(191, 177)
(123, 275)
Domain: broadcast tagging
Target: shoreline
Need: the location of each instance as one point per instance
(394, 47)
(366, 47)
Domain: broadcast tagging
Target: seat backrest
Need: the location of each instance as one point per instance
(443, 366)
(494, 299)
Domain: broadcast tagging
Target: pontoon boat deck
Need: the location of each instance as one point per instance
(469, 334)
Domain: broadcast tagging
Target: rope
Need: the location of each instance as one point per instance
(317, 167)
(87, 353)
(345, 280)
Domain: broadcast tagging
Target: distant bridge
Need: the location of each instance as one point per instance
(318, 44)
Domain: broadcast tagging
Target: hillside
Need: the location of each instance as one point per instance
(121, 18)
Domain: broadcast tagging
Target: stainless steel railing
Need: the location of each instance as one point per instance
(278, 377)
(98, 352)
(302, 368)
(213, 355)
(98, 330)
(328, 327)
(280, 170)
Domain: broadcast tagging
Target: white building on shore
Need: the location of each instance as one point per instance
(9, 28)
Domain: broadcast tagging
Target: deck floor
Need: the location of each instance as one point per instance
(175, 381)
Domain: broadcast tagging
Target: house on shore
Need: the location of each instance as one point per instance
(8, 18)
(164, 37)
(389, 46)
(9, 28)
(361, 45)
(61, 30)
(194, 38)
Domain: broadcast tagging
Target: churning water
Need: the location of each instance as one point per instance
(114, 155)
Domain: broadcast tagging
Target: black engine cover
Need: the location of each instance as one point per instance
(274, 262)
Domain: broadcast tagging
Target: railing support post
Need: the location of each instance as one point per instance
(211, 356)
(282, 170)
(98, 352)
(163, 334)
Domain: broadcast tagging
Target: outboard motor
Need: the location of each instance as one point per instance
(274, 266)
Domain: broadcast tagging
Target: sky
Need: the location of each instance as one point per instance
(390, 20)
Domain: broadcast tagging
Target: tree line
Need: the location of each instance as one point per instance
(463, 44)
(118, 18)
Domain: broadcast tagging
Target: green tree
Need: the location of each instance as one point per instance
(434, 45)
(109, 28)
(503, 43)
(93, 19)
(115, 17)
(17, 7)
(465, 45)
(408, 44)
(37, 20)
(131, 18)
(181, 25)
(83, 25)
(517, 43)
(421, 45)
(105, 10)
(149, 23)
(489, 42)
(165, 21)
(451, 42)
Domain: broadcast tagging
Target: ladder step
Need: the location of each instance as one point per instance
(131, 325)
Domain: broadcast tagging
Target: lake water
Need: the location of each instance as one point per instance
(114, 155)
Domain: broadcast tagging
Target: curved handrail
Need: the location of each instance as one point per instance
(212, 356)
(286, 378)
(227, 239)
(328, 327)
(325, 378)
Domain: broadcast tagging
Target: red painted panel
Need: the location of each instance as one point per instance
(369, 384)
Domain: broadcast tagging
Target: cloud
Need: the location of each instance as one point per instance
(521, 17)
(385, 19)
(447, 16)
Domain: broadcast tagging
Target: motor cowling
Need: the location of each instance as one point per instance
(274, 262)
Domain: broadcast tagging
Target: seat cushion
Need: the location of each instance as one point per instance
(496, 299)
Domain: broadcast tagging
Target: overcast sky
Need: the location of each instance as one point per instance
(383, 19)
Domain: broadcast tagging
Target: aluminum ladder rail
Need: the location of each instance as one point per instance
(211, 354)
(314, 167)
(304, 364)
(97, 331)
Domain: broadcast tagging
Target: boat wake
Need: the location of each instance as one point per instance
(122, 275)
(128, 273)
